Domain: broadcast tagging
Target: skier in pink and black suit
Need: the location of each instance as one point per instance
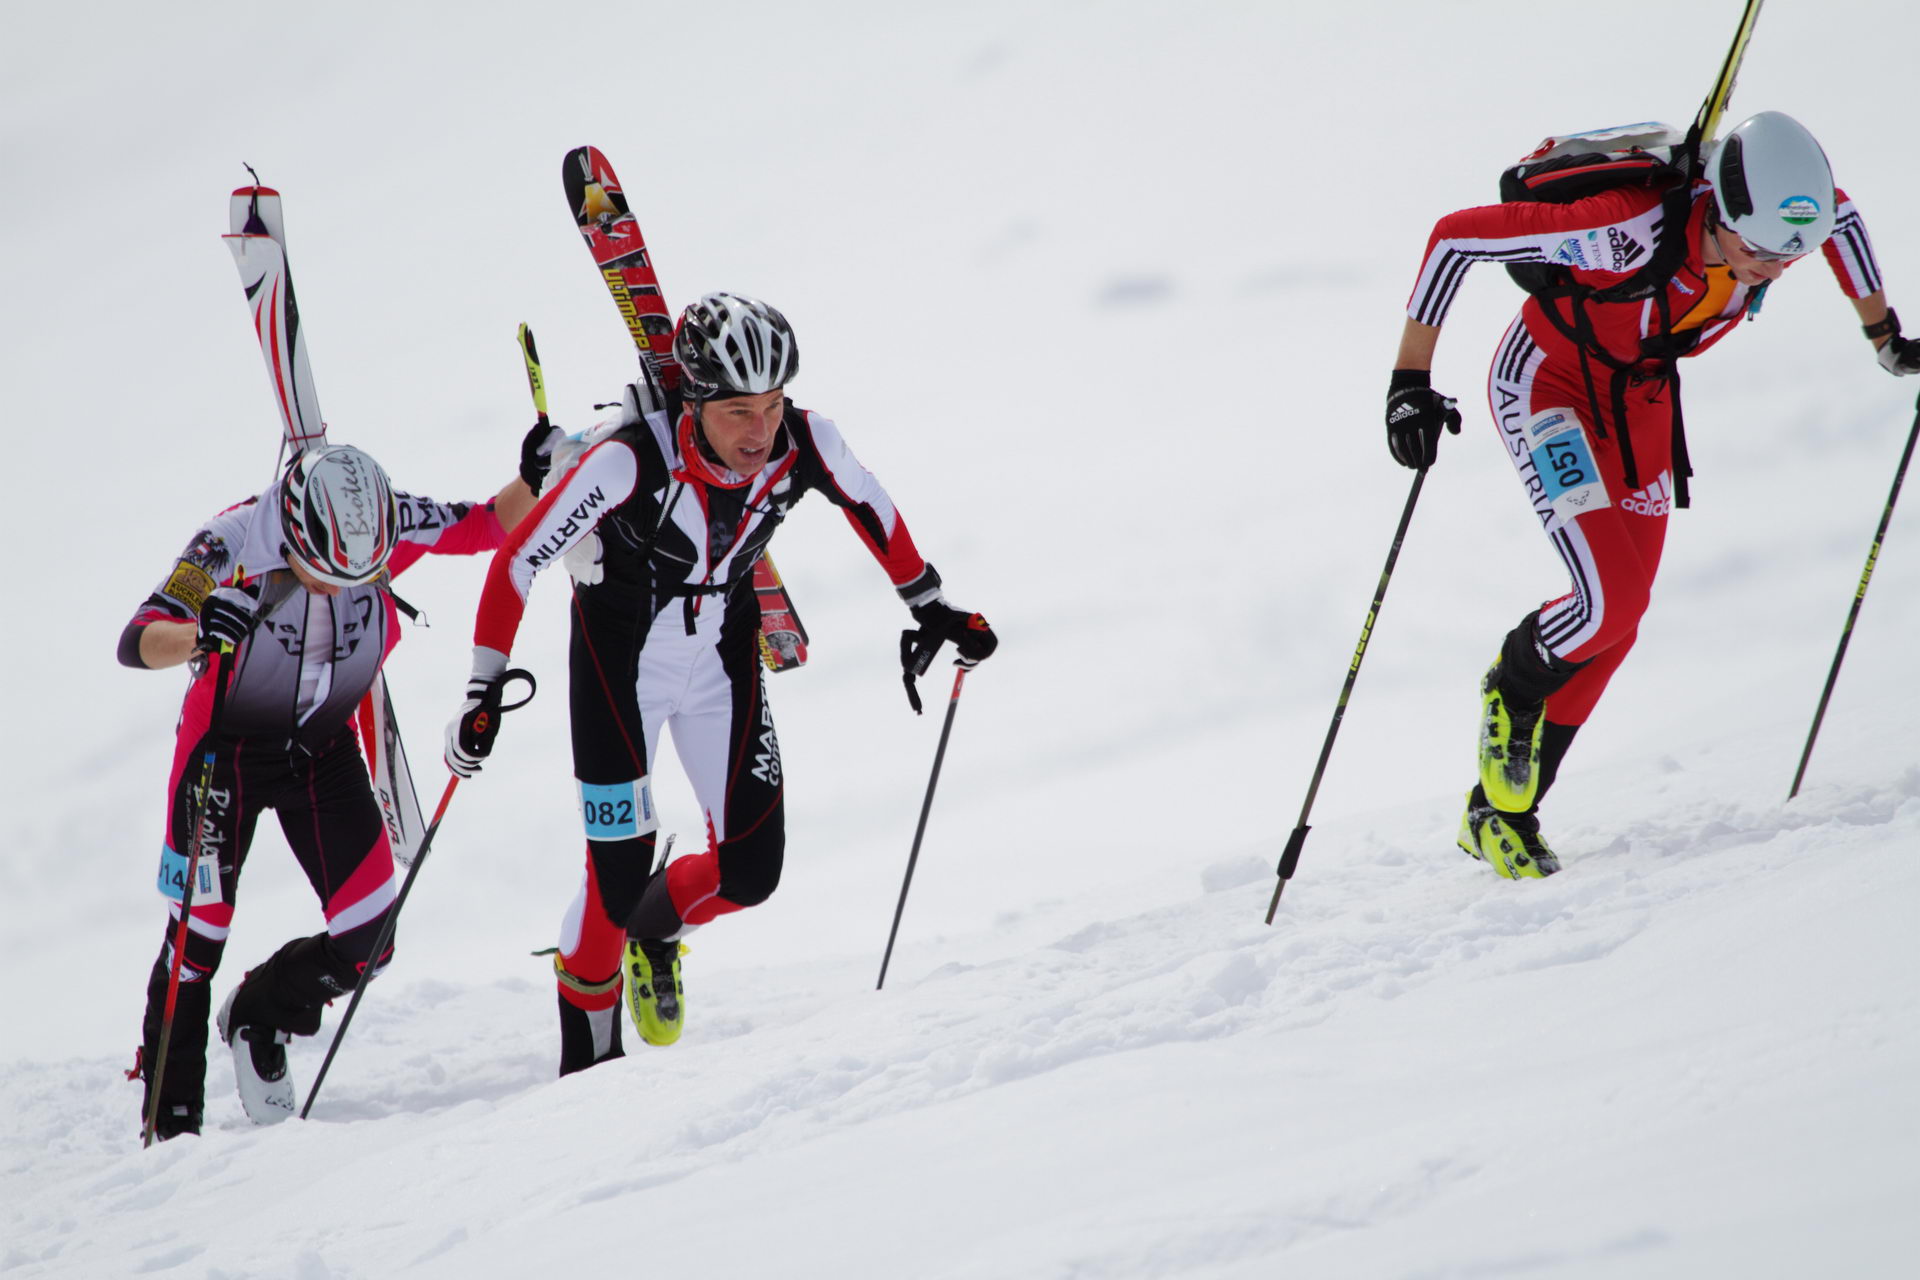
(661, 524)
(1585, 396)
(311, 624)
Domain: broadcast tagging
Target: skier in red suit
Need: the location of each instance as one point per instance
(1585, 394)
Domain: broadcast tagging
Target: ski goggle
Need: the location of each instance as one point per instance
(1755, 252)
(1747, 246)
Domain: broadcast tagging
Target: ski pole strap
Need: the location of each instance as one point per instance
(917, 650)
(413, 614)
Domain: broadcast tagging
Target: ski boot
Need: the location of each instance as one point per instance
(1510, 728)
(1509, 842)
(589, 1020)
(654, 993)
(181, 1093)
(267, 1092)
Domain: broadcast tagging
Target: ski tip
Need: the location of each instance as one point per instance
(255, 191)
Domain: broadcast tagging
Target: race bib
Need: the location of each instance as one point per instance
(173, 877)
(1563, 460)
(619, 810)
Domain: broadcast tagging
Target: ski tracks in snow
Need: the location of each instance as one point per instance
(441, 1087)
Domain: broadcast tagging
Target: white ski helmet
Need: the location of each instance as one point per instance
(338, 515)
(728, 345)
(1772, 185)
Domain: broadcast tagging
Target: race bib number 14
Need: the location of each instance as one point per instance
(173, 877)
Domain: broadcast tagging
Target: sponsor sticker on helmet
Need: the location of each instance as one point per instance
(1799, 210)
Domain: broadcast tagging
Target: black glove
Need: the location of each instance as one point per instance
(1898, 356)
(536, 453)
(226, 617)
(1415, 414)
(471, 732)
(973, 641)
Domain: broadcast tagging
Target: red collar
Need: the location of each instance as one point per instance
(695, 467)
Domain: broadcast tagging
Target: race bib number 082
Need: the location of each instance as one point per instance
(618, 811)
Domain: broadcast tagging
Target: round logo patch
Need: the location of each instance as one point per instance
(1799, 210)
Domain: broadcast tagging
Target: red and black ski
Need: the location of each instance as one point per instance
(612, 235)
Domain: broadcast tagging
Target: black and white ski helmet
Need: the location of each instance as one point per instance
(1772, 184)
(728, 345)
(338, 515)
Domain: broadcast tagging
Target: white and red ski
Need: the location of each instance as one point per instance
(259, 245)
(258, 240)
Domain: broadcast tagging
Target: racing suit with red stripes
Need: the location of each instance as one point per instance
(286, 742)
(661, 541)
(1563, 413)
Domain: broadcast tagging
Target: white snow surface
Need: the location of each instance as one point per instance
(1107, 294)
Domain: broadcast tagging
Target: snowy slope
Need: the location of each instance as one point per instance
(1106, 295)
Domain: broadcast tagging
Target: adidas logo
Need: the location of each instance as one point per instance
(1625, 249)
(1404, 412)
(1654, 500)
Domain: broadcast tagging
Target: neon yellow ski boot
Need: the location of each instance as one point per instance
(1509, 842)
(1509, 746)
(652, 970)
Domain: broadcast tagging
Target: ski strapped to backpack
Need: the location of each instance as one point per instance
(612, 235)
(1656, 156)
(258, 239)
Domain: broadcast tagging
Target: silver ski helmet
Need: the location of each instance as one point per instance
(1772, 185)
(728, 345)
(338, 515)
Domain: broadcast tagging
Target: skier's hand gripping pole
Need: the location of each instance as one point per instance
(973, 642)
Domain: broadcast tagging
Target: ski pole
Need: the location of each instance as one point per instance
(222, 673)
(926, 806)
(1291, 857)
(536, 381)
(1859, 597)
(406, 887)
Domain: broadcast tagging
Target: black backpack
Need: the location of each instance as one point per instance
(1573, 166)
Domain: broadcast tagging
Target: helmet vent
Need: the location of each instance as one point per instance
(1732, 179)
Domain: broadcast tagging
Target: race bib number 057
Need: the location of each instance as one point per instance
(1563, 459)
